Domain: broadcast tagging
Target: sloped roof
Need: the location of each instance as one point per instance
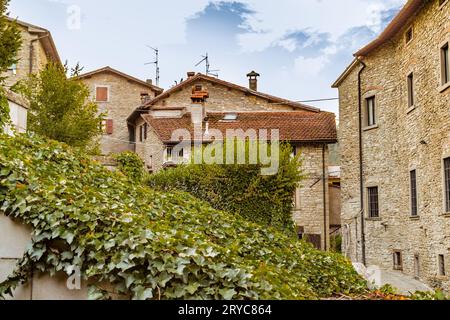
(121, 74)
(45, 38)
(295, 126)
(411, 8)
(408, 11)
(201, 76)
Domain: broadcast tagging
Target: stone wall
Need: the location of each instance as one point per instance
(38, 58)
(221, 98)
(404, 139)
(124, 98)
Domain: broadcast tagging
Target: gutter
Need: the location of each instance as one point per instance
(361, 165)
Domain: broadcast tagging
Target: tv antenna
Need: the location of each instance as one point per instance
(209, 72)
(156, 63)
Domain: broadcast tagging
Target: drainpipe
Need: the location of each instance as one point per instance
(324, 171)
(361, 167)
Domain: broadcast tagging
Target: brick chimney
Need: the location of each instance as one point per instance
(190, 74)
(253, 80)
(198, 110)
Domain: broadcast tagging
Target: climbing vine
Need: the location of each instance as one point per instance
(132, 241)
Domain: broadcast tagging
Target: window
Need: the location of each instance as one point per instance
(409, 35)
(198, 88)
(141, 133)
(169, 152)
(413, 183)
(441, 266)
(411, 90)
(145, 131)
(445, 64)
(398, 261)
(370, 105)
(101, 94)
(230, 117)
(373, 202)
(447, 183)
(109, 126)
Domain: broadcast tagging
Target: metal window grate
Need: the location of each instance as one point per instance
(413, 178)
(373, 202)
(447, 183)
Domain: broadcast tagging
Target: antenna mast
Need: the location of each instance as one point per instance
(156, 63)
(209, 72)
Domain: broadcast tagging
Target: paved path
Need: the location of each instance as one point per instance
(404, 284)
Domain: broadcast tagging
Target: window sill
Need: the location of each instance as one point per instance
(446, 215)
(444, 87)
(411, 109)
(373, 219)
(414, 218)
(370, 128)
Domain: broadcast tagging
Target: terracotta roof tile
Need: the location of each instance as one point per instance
(296, 126)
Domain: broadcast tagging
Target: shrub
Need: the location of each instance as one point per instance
(148, 244)
(240, 189)
(130, 164)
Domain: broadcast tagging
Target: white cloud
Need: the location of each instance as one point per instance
(306, 67)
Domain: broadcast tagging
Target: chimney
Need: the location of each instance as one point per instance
(190, 74)
(253, 80)
(198, 110)
(150, 81)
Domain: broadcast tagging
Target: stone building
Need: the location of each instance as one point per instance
(218, 105)
(38, 48)
(394, 137)
(117, 95)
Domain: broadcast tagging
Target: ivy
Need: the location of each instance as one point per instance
(131, 165)
(240, 188)
(129, 240)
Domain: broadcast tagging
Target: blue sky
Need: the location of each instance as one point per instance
(298, 46)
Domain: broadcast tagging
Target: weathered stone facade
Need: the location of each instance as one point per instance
(311, 204)
(33, 54)
(403, 139)
(124, 96)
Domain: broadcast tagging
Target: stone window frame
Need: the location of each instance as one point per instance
(397, 255)
(366, 205)
(443, 86)
(417, 266)
(409, 29)
(446, 213)
(411, 169)
(411, 107)
(441, 265)
(102, 86)
(366, 96)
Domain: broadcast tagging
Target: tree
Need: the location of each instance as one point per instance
(10, 42)
(60, 108)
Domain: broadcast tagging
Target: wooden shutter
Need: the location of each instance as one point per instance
(101, 94)
(109, 126)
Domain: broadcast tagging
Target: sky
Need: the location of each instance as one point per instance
(300, 47)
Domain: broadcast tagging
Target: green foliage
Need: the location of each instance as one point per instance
(60, 108)
(10, 42)
(437, 295)
(148, 244)
(240, 189)
(336, 243)
(131, 165)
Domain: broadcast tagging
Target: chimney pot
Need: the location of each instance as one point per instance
(253, 80)
(150, 81)
(190, 74)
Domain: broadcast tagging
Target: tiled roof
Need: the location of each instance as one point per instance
(296, 126)
(200, 76)
(123, 75)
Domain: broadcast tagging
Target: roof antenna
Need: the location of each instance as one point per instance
(209, 72)
(156, 63)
